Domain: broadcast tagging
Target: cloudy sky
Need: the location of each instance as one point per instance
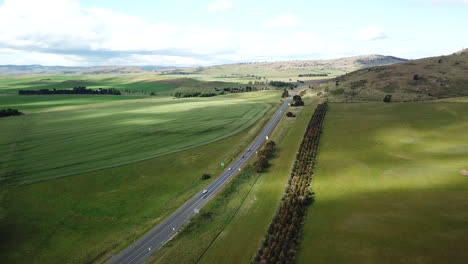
(204, 32)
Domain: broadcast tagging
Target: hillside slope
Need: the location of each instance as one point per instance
(417, 80)
(287, 70)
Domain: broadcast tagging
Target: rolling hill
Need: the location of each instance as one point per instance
(287, 70)
(416, 80)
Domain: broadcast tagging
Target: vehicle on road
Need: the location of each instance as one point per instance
(243, 156)
(204, 191)
(249, 150)
(230, 169)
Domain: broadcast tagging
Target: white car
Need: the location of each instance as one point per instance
(230, 169)
(204, 191)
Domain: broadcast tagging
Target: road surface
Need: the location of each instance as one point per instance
(142, 249)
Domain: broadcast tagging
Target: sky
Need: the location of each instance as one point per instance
(208, 32)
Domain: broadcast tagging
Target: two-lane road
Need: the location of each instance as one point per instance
(143, 248)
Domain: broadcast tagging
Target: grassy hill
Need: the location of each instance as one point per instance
(284, 70)
(417, 80)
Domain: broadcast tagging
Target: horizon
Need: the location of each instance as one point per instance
(215, 32)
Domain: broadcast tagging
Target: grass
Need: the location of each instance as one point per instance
(388, 187)
(60, 141)
(236, 227)
(33, 103)
(438, 77)
(142, 83)
(90, 216)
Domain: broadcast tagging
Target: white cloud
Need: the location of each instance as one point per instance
(370, 33)
(33, 32)
(220, 5)
(283, 21)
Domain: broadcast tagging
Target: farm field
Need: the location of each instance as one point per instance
(106, 134)
(231, 227)
(389, 187)
(140, 83)
(90, 216)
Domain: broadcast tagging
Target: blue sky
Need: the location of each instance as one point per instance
(190, 32)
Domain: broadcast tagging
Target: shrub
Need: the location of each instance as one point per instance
(388, 98)
(289, 114)
(206, 176)
(9, 112)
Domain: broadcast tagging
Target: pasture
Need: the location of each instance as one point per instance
(388, 185)
(90, 216)
(57, 141)
(138, 84)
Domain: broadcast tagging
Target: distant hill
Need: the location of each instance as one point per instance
(416, 80)
(39, 69)
(346, 64)
(287, 70)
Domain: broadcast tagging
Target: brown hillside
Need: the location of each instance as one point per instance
(417, 80)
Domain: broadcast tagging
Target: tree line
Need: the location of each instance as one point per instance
(75, 90)
(313, 75)
(9, 112)
(281, 84)
(282, 239)
(218, 91)
(264, 155)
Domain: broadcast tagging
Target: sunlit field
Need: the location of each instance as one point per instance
(389, 187)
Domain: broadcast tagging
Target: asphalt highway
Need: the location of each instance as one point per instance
(143, 248)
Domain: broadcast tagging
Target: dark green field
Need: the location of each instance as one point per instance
(388, 185)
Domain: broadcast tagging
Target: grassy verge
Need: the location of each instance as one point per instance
(388, 185)
(236, 238)
(88, 217)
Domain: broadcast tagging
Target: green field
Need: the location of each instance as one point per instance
(388, 185)
(237, 223)
(141, 83)
(57, 141)
(90, 216)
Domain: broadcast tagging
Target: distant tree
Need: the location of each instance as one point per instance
(290, 114)
(285, 94)
(416, 77)
(9, 112)
(206, 176)
(297, 101)
(388, 98)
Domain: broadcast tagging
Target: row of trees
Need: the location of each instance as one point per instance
(282, 239)
(313, 75)
(9, 112)
(238, 90)
(264, 155)
(283, 84)
(194, 94)
(75, 90)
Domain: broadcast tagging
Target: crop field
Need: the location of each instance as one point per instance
(389, 185)
(90, 216)
(60, 141)
(128, 83)
(231, 228)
